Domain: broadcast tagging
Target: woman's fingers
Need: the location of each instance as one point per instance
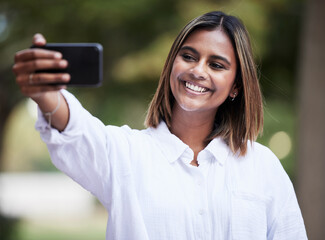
(33, 79)
(39, 64)
(27, 62)
(36, 53)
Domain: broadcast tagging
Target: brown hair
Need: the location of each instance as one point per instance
(236, 121)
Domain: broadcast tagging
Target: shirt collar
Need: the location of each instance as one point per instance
(172, 147)
(219, 149)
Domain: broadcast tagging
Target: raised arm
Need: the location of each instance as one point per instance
(38, 86)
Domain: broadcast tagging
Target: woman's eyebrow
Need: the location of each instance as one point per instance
(190, 49)
(217, 57)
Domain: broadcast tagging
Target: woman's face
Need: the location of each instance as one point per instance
(203, 72)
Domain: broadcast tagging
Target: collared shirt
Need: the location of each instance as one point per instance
(151, 191)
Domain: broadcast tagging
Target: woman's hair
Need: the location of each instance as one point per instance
(236, 121)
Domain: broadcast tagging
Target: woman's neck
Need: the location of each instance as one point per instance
(192, 128)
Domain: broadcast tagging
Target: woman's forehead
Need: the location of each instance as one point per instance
(211, 42)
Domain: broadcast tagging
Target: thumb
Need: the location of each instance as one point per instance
(39, 40)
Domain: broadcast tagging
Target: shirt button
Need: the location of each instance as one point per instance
(201, 211)
(199, 183)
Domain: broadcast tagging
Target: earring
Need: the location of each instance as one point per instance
(233, 98)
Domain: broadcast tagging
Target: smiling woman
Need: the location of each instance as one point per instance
(215, 47)
(201, 79)
(195, 172)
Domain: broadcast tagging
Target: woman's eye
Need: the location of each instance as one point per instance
(216, 66)
(188, 57)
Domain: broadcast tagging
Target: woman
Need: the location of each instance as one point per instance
(195, 172)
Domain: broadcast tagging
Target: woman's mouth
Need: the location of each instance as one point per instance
(195, 88)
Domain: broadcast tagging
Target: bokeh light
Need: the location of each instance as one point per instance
(281, 144)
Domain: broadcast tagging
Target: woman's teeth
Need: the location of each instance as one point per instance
(195, 88)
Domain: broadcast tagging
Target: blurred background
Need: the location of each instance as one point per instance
(37, 201)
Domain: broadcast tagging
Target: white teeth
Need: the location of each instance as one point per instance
(195, 88)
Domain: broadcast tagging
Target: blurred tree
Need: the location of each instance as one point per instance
(280, 59)
(311, 178)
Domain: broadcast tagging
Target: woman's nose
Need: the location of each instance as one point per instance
(199, 71)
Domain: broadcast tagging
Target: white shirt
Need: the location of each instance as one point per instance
(151, 191)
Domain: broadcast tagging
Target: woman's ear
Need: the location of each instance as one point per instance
(234, 91)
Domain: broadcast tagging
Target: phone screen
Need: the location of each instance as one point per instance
(85, 62)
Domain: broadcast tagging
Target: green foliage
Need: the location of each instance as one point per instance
(280, 60)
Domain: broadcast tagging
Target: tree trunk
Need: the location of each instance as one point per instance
(311, 153)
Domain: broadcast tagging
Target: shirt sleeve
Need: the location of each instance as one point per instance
(287, 220)
(81, 150)
(289, 223)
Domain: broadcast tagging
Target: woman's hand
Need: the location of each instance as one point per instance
(39, 86)
(27, 61)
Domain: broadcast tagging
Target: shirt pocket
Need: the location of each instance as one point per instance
(248, 217)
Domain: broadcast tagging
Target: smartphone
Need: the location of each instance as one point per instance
(85, 62)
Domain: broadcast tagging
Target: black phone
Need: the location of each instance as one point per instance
(85, 62)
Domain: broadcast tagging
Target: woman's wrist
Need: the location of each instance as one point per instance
(54, 108)
(49, 115)
(47, 101)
